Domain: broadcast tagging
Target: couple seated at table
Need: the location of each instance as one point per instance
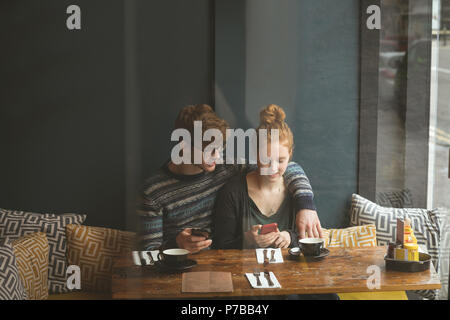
(181, 197)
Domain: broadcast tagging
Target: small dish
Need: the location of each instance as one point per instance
(295, 252)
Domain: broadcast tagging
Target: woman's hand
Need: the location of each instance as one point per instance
(283, 241)
(261, 240)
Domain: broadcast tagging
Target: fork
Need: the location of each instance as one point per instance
(256, 274)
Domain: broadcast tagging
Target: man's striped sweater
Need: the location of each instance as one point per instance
(171, 202)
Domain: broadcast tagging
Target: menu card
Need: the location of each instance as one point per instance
(400, 231)
(207, 281)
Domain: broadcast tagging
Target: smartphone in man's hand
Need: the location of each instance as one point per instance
(268, 228)
(200, 233)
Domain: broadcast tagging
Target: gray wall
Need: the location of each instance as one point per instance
(65, 99)
(61, 109)
(174, 45)
(174, 68)
(304, 56)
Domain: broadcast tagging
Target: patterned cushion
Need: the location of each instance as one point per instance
(93, 250)
(11, 287)
(444, 254)
(32, 260)
(16, 224)
(361, 236)
(425, 223)
(395, 199)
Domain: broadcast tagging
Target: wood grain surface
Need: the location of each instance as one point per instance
(344, 270)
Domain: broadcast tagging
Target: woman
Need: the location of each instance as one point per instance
(252, 200)
(260, 197)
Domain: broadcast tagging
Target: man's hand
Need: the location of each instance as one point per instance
(186, 240)
(307, 221)
(261, 240)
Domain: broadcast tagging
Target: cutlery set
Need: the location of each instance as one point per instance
(266, 256)
(257, 273)
(267, 260)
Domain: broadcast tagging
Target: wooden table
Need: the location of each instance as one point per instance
(344, 270)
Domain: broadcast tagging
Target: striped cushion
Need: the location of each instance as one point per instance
(11, 287)
(361, 236)
(93, 250)
(425, 223)
(32, 260)
(16, 224)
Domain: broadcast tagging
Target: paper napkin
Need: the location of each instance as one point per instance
(278, 255)
(138, 255)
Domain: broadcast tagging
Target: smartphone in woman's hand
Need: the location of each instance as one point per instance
(268, 228)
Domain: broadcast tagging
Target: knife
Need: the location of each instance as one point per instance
(272, 259)
(267, 276)
(266, 257)
(149, 254)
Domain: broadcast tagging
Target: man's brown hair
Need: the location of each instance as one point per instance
(203, 113)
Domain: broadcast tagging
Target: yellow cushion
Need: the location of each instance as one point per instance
(361, 236)
(376, 295)
(93, 249)
(31, 253)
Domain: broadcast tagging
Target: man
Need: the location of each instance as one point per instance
(180, 197)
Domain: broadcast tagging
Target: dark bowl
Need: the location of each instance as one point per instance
(409, 266)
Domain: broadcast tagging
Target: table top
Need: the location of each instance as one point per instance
(344, 270)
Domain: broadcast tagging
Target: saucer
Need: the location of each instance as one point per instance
(323, 253)
(296, 253)
(188, 264)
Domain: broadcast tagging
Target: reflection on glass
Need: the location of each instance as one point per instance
(392, 102)
(439, 188)
(413, 114)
